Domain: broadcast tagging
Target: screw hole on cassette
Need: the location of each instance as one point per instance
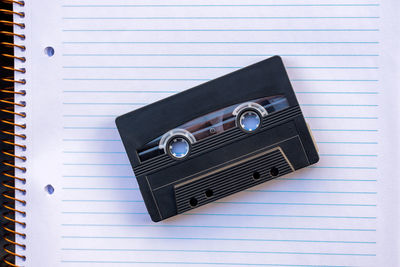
(209, 193)
(256, 175)
(274, 171)
(193, 202)
(49, 51)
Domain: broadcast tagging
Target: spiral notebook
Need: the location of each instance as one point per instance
(90, 61)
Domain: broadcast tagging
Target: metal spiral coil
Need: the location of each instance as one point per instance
(9, 107)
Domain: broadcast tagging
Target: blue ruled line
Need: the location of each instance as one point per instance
(114, 116)
(277, 215)
(98, 212)
(205, 79)
(248, 190)
(129, 104)
(321, 92)
(135, 79)
(348, 155)
(236, 5)
(219, 239)
(130, 91)
(219, 55)
(344, 130)
(344, 118)
(311, 167)
(348, 143)
(220, 30)
(91, 140)
(89, 116)
(96, 164)
(173, 92)
(98, 188)
(342, 167)
(118, 140)
(328, 180)
(90, 128)
(94, 152)
(143, 104)
(229, 214)
(237, 203)
(105, 201)
(311, 192)
(218, 251)
(219, 18)
(332, 80)
(201, 67)
(216, 214)
(221, 42)
(280, 178)
(295, 204)
(221, 227)
(123, 152)
(99, 176)
(200, 263)
(338, 105)
(316, 130)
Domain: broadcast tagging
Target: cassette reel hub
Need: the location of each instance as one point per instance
(249, 121)
(178, 147)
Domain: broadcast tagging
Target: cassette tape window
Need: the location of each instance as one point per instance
(247, 116)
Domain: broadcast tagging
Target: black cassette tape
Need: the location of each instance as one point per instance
(216, 139)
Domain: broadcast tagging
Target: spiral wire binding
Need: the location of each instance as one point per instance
(8, 109)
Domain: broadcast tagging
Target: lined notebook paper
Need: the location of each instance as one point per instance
(115, 56)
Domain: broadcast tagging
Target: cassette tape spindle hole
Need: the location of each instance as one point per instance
(193, 202)
(256, 175)
(274, 171)
(209, 193)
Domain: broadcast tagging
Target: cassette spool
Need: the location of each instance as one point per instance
(216, 139)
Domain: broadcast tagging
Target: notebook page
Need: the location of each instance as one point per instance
(115, 56)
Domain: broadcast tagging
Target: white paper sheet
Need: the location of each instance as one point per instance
(114, 56)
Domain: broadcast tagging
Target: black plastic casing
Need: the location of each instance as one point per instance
(225, 163)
